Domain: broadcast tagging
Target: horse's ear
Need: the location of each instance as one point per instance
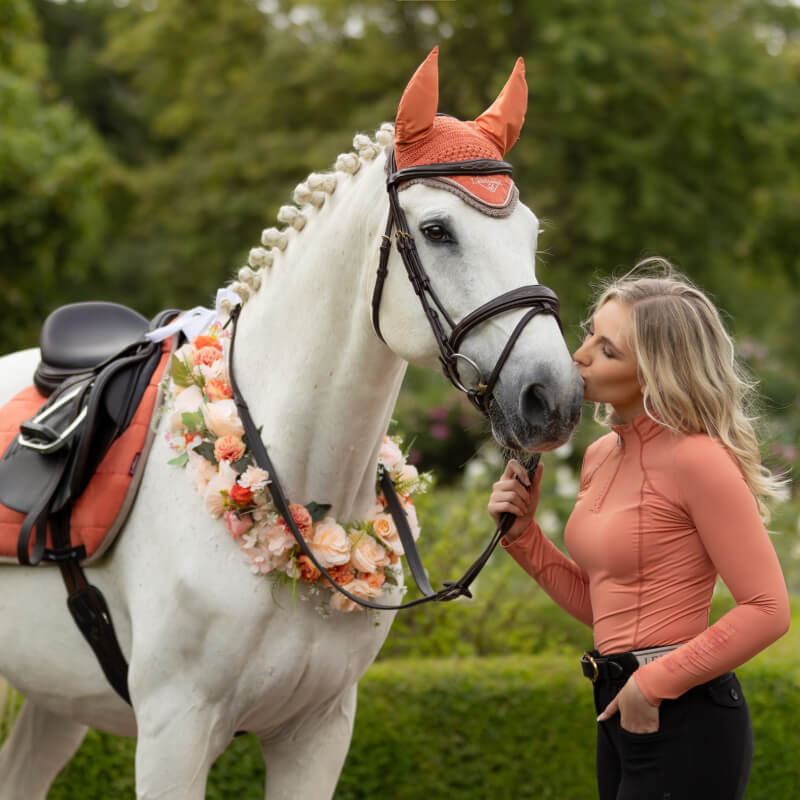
(502, 121)
(419, 102)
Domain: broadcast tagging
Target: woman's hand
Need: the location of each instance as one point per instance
(515, 493)
(636, 714)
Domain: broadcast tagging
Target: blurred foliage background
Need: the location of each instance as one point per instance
(144, 145)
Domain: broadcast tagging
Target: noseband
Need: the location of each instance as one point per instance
(538, 299)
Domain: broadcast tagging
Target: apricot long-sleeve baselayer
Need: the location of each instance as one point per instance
(658, 516)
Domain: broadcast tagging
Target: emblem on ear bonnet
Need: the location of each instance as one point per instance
(424, 137)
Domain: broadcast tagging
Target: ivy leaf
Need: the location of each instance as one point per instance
(192, 421)
(318, 511)
(242, 464)
(206, 449)
(180, 371)
(179, 461)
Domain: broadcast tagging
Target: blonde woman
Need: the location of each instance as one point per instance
(670, 499)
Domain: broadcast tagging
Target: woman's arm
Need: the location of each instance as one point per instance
(560, 577)
(725, 514)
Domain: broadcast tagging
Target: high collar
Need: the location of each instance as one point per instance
(642, 427)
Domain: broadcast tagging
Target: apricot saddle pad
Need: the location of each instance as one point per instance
(100, 511)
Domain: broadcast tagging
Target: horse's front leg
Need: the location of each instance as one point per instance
(308, 763)
(179, 737)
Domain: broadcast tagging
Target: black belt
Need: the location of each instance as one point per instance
(619, 666)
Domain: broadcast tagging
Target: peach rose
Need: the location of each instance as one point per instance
(223, 482)
(215, 371)
(358, 587)
(387, 532)
(390, 454)
(218, 389)
(367, 554)
(228, 448)
(222, 418)
(329, 543)
(207, 355)
(237, 526)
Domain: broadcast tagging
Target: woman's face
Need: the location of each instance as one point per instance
(607, 364)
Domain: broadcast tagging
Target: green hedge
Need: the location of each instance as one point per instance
(514, 727)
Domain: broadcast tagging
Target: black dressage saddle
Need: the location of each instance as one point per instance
(95, 366)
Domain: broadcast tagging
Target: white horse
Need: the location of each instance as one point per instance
(212, 648)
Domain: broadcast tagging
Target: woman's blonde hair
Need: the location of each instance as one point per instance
(691, 380)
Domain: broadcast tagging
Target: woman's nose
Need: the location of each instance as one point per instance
(580, 355)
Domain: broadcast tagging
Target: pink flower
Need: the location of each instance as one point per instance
(278, 539)
(207, 355)
(301, 518)
(254, 478)
(329, 544)
(201, 471)
(237, 526)
(218, 389)
(390, 454)
(228, 448)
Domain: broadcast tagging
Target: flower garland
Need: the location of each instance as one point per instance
(208, 437)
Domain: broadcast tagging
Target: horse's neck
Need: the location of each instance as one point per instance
(308, 362)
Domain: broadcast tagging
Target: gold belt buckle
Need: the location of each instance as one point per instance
(594, 666)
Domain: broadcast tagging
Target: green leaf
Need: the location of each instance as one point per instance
(179, 461)
(318, 511)
(390, 576)
(206, 449)
(181, 372)
(242, 464)
(192, 421)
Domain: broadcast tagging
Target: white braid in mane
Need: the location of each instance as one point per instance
(309, 197)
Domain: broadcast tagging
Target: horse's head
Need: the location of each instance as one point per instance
(477, 244)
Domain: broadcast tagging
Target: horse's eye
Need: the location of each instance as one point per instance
(436, 233)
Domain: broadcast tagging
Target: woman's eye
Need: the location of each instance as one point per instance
(608, 354)
(437, 233)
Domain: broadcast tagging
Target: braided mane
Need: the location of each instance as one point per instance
(309, 197)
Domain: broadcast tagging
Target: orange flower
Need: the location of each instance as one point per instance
(308, 572)
(206, 341)
(241, 495)
(228, 448)
(374, 579)
(301, 518)
(218, 389)
(342, 574)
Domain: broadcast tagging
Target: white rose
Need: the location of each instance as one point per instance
(222, 418)
(222, 482)
(188, 401)
(329, 543)
(367, 555)
(390, 454)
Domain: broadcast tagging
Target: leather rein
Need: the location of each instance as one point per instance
(538, 299)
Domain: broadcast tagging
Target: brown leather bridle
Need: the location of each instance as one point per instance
(537, 298)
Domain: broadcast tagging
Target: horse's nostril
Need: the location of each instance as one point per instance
(534, 403)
